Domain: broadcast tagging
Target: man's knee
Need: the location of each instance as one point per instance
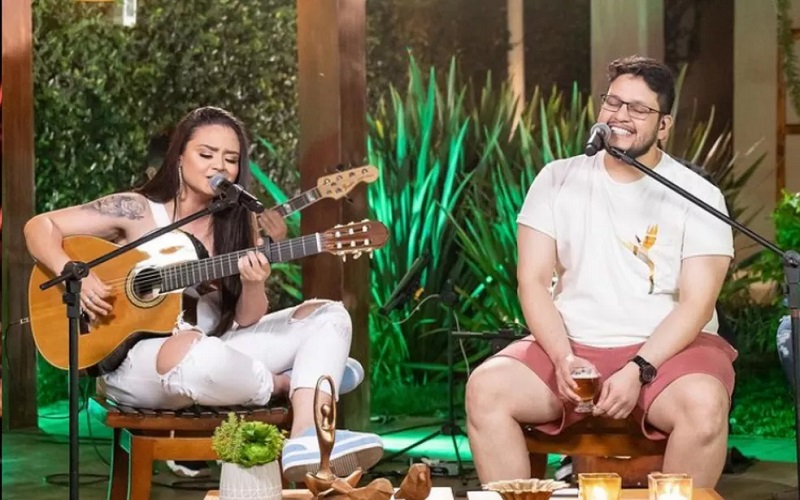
(503, 385)
(483, 387)
(703, 410)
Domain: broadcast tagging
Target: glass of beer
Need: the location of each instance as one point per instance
(588, 381)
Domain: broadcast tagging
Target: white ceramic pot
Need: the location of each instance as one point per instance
(261, 482)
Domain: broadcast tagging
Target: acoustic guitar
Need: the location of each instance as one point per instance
(147, 285)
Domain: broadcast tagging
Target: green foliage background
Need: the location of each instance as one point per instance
(102, 91)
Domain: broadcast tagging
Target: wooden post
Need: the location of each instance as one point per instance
(331, 43)
(623, 28)
(516, 53)
(19, 351)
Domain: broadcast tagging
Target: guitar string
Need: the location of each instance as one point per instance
(119, 284)
(183, 268)
(58, 310)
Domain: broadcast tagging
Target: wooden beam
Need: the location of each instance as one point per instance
(19, 356)
(781, 128)
(623, 28)
(331, 44)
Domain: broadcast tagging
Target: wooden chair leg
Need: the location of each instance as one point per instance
(538, 464)
(141, 468)
(118, 482)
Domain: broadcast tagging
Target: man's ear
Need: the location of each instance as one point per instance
(664, 127)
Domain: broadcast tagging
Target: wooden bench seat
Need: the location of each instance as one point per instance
(141, 437)
(599, 445)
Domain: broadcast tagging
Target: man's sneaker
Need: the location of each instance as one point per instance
(350, 451)
(190, 469)
(564, 471)
(353, 376)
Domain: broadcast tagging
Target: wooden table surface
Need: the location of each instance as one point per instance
(641, 494)
(630, 494)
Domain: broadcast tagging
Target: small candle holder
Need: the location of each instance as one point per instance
(669, 486)
(599, 486)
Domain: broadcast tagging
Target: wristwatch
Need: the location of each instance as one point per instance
(647, 372)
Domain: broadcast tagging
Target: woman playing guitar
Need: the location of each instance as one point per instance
(234, 352)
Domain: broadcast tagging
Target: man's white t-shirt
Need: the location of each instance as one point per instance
(620, 245)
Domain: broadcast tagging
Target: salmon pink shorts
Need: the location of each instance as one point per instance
(708, 354)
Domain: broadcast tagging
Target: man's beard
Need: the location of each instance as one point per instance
(640, 150)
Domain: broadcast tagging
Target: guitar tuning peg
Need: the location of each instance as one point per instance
(344, 257)
(352, 244)
(357, 255)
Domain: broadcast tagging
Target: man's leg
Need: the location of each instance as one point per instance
(501, 393)
(694, 411)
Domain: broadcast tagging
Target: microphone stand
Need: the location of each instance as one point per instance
(73, 274)
(791, 270)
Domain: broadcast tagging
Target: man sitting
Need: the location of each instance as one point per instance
(639, 269)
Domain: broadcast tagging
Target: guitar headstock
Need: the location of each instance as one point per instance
(355, 238)
(337, 185)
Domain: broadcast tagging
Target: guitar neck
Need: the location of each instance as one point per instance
(299, 202)
(178, 276)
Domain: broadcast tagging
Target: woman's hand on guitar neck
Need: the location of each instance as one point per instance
(254, 269)
(273, 225)
(93, 295)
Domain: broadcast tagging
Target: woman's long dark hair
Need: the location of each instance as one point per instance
(233, 229)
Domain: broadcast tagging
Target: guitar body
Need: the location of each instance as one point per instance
(132, 312)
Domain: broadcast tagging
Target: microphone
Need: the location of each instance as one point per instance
(598, 136)
(236, 192)
(408, 285)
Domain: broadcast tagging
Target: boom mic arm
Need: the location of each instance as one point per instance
(408, 285)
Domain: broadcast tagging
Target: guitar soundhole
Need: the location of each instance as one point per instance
(146, 283)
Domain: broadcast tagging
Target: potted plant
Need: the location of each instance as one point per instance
(249, 452)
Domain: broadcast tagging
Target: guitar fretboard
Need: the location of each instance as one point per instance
(177, 276)
(299, 202)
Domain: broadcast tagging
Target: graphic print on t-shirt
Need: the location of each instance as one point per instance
(641, 249)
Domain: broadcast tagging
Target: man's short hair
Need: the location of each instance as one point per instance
(657, 76)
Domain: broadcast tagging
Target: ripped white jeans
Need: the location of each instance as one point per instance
(237, 368)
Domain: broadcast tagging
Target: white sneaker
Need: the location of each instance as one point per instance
(189, 469)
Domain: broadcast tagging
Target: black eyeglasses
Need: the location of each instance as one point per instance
(636, 110)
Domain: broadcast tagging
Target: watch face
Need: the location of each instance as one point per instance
(648, 373)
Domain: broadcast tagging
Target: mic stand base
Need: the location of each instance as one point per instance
(447, 427)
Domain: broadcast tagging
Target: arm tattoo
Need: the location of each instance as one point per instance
(118, 205)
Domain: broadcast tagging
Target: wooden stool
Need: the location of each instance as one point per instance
(599, 445)
(143, 436)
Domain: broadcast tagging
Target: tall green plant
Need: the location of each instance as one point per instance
(420, 142)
